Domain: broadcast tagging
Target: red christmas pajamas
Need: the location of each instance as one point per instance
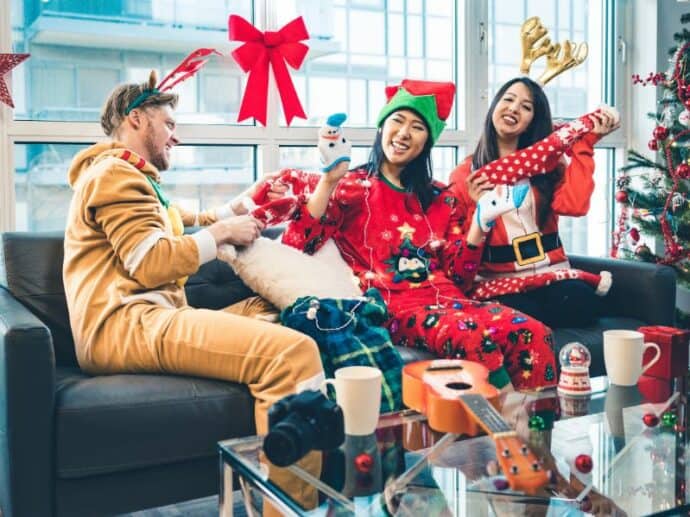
(420, 263)
(486, 332)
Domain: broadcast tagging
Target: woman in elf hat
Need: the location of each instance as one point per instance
(402, 232)
(524, 264)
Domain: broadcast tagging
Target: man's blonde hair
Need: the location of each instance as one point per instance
(115, 109)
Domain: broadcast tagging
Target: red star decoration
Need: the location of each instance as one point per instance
(7, 63)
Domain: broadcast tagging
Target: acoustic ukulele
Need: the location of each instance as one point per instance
(456, 398)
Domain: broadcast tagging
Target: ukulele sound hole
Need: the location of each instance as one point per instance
(458, 386)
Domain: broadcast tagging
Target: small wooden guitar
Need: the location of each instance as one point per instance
(456, 397)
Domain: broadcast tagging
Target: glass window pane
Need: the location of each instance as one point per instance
(590, 235)
(444, 159)
(572, 93)
(81, 50)
(375, 44)
(202, 177)
(507, 11)
(415, 36)
(307, 157)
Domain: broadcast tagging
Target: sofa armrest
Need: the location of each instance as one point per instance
(640, 290)
(27, 398)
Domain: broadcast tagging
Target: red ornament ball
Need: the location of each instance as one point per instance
(583, 463)
(622, 196)
(650, 420)
(364, 463)
(634, 234)
(683, 171)
(653, 145)
(660, 133)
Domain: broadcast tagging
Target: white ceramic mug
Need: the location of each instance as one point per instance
(358, 393)
(623, 351)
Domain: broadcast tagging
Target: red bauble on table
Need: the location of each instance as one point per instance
(364, 463)
(683, 171)
(583, 463)
(653, 145)
(622, 196)
(650, 420)
(660, 133)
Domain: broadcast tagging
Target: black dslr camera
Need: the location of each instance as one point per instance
(302, 422)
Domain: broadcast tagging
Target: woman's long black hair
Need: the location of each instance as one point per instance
(416, 176)
(540, 127)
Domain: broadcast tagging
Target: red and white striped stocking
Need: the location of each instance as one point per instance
(489, 289)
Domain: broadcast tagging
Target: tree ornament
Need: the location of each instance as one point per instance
(683, 171)
(660, 133)
(650, 420)
(583, 463)
(634, 235)
(653, 145)
(7, 63)
(677, 201)
(622, 196)
(668, 419)
(643, 251)
(684, 118)
(364, 463)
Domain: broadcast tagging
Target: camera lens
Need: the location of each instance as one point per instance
(288, 441)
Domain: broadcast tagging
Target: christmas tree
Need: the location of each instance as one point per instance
(653, 194)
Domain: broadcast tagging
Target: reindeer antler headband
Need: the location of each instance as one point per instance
(186, 69)
(559, 57)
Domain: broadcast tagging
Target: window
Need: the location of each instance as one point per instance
(362, 46)
(81, 50)
(203, 177)
(570, 95)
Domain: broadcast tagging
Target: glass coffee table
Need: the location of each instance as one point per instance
(406, 468)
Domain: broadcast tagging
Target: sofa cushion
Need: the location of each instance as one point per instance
(114, 423)
(592, 338)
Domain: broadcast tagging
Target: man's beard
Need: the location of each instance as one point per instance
(157, 158)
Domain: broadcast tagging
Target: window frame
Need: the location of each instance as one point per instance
(471, 76)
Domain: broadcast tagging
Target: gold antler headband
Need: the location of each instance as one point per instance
(559, 57)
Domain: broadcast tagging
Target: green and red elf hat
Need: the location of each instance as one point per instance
(432, 100)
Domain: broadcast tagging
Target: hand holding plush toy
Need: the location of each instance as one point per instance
(500, 200)
(333, 146)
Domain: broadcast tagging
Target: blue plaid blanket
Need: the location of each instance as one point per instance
(350, 332)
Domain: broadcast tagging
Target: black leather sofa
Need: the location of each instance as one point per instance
(76, 445)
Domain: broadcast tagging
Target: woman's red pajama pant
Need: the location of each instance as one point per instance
(497, 336)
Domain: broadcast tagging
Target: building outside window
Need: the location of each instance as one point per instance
(81, 50)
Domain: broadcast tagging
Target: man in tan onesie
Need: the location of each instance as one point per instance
(126, 261)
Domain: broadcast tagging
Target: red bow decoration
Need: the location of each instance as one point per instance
(264, 49)
(7, 63)
(187, 68)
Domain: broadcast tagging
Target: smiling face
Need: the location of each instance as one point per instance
(403, 136)
(159, 135)
(514, 112)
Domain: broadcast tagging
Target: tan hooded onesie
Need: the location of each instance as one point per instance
(127, 311)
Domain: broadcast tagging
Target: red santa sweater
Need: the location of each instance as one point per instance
(513, 247)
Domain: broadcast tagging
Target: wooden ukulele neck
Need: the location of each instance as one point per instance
(485, 414)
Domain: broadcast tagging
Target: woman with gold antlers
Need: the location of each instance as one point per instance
(523, 262)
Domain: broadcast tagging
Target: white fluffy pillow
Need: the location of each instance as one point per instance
(281, 274)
